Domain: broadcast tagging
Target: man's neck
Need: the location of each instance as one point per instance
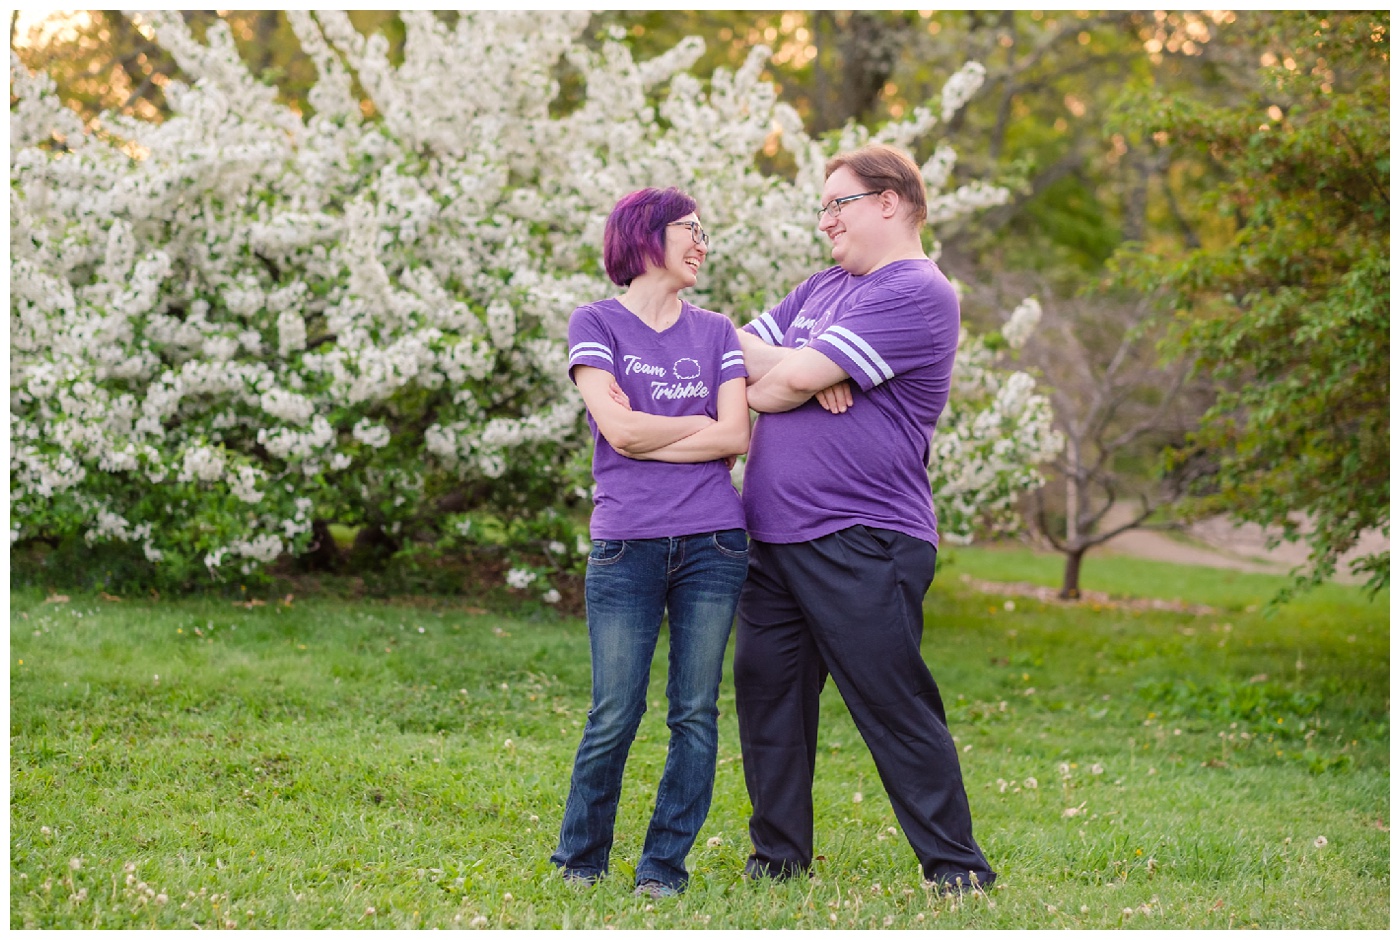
(906, 249)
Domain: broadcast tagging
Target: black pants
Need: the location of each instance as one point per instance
(849, 604)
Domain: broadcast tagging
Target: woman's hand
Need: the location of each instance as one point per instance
(836, 398)
(616, 393)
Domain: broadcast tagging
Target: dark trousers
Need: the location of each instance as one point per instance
(849, 604)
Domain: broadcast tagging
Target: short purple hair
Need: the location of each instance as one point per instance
(636, 231)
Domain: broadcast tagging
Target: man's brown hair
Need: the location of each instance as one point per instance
(881, 167)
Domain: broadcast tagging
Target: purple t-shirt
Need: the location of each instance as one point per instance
(810, 472)
(675, 372)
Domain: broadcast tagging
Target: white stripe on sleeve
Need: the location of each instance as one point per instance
(767, 330)
(856, 357)
(595, 350)
(874, 357)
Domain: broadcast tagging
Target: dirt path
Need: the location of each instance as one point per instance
(1219, 543)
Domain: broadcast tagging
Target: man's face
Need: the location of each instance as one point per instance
(855, 224)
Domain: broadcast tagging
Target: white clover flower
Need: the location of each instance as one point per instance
(550, 597)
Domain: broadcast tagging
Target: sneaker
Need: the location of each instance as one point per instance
(654, 889)
(577, 879)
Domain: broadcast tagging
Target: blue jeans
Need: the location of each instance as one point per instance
(695, 581)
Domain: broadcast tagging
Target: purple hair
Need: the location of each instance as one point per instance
(636, 231)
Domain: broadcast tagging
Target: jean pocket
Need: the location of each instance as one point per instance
(732, 542)
(606, 552)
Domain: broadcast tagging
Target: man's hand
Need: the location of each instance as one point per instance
(836, 398)
(802, 374)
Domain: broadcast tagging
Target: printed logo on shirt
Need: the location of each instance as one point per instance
(632, 365)
(686, 369)
(671, 391)
(803, 323)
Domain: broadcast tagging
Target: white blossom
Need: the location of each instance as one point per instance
(205, 464)
(230, 296)
(243, 483)
(1022, 324)
(959, 89)
(520, 578)
(370, 434)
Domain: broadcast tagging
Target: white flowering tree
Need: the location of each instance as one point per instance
(239, 323)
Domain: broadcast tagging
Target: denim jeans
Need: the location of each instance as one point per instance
(695, 581)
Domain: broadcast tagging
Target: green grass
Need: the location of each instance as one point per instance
(191, 763)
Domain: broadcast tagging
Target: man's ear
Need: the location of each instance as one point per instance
(889, 203)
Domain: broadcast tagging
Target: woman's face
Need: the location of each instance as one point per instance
(685, 249)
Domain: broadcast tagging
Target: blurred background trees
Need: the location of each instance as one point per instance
(1227, 172)
(1288, 308)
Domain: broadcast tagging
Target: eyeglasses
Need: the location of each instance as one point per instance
(833, 208)
(696, 232)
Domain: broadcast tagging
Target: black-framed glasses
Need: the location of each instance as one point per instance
(833, 208)
(696, 232)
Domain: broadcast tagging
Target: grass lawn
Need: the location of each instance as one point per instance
(336, 763)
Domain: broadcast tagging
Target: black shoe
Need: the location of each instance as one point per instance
(958, 885)
(754, 870)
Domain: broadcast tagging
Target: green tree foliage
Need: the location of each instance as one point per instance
(1037, 122)
(101, 61)
(1038, 119)
(1288, 304)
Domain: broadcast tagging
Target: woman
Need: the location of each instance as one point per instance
(664, 384)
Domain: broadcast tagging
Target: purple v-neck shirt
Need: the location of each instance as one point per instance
(809, 472)
(675, 372)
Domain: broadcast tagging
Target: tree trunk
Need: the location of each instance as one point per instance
(1072, 490)
(324, 554)
(373, 546)
(1070, 589)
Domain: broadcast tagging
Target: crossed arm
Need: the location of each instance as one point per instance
(684, 439)
(780, 378)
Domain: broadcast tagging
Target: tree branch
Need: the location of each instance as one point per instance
(1044, 524)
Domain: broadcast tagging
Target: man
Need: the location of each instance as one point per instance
(844, 537)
